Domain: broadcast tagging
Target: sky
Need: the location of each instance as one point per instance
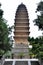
(10, 6)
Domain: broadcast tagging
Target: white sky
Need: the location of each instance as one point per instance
(9, 7)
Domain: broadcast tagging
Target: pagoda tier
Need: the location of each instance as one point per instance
(21, 36)
(21, 19)
(21, 31)
(21, 23)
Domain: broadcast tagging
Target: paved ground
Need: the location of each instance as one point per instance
(16, 63)
(21, 63)
(8, 63)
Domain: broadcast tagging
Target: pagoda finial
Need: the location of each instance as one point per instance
(21, 2)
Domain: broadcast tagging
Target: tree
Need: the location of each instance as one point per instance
(39, 20)
(5, 30)
(37, 47)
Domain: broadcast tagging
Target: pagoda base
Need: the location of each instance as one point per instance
(20, 51)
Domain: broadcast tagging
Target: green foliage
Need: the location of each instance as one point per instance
(5, 44)
(8, 54)
(38, 42)
(39, 20)
(21, 54)
(37, 47)
(40, 6)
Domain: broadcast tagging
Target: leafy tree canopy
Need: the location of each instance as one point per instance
(5, 44)
(37, 47)
(39, 20)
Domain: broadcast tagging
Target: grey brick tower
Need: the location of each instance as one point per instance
(21, 32)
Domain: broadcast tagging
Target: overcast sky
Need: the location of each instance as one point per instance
(10, 6)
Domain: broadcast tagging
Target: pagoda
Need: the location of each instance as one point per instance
(21, 31)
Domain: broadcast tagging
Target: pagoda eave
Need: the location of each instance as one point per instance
(21, 27)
